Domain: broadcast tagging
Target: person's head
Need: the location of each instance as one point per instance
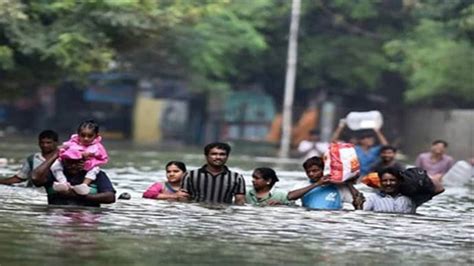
(175, 171)
(73, 167)
(125, 196)
(48, 141)
(353, 140)
(390, 180)
(264, 177)
(387, 153)
(366, 139)
(88, 131)
(217, 153)
(438, 147)
(314, 135)
(314, 167)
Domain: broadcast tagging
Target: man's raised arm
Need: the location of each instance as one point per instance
(381, 137)
(40, 173)
(337, 133)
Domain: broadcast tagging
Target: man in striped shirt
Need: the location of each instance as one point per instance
(389, 198)
(214, 182)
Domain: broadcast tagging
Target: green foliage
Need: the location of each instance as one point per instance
(340, 45)
(46, 41)
(358, 9)
(6, 58)
(206, 44)
(218, 40)
(466, 20)
(437, 55)
(358, 65)
(216, 45)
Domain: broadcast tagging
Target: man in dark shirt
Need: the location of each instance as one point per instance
(214, 182)
(102, 191)
(387, 159)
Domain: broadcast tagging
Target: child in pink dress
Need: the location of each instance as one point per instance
(175, 172)
(86, 144)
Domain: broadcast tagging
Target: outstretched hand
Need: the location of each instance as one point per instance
(358, 201)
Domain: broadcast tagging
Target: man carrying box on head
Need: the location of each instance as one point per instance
(367, 152)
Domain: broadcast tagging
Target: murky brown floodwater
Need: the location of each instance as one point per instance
(142, 232)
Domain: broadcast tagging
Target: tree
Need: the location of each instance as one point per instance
(341, 46)
(199, 41)
(46, 41)
(208, 46)
(437, 54)
(345, 46)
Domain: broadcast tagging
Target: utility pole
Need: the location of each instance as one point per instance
(290, 80)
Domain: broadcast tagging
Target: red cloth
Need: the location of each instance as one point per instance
(340, 162)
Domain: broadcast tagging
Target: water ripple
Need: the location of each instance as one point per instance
(143, 231)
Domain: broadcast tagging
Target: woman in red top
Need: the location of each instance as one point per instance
(175, 172)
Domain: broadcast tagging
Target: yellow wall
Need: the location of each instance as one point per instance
(146, 120)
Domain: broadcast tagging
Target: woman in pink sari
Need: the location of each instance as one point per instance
(175, 172)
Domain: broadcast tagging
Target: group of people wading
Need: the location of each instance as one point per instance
(71, 175)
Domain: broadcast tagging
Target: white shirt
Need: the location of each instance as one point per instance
(26, 171)
(381, 202)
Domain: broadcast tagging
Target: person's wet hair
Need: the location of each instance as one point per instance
(390, 170)
(364, 135)
(268, 174)
(314, 132)
(388, 147)
(178, 164)
(438, 141)
(219, 145)
(48, 134)
(125, 196)
(90, 124)
(315, 160)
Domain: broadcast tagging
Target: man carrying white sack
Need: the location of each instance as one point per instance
(367, 151)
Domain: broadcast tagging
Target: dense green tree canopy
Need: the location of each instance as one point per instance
(45, 41)
(436, 55)
(344, 46)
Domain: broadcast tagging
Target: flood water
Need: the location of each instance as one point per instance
(149, 232)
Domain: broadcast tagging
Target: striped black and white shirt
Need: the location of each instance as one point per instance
(202, 186)
(381, 202)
